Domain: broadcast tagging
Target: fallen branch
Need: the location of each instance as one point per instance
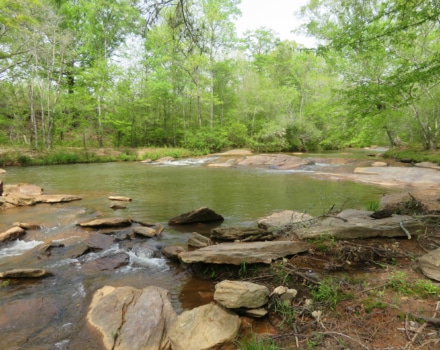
(346, 336)
(408, 234)
(431, 320)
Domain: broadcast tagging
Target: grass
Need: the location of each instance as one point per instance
(329, 293)
(28, 157)
(373, 205)
(413, 155)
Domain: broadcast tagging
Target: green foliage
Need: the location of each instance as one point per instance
(371, 303)
(373, 205)
(328, 293)
(4, 283)
(285, 311)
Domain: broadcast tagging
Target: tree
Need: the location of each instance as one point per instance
(386, 52)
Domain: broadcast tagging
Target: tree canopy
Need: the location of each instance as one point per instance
(175, 73)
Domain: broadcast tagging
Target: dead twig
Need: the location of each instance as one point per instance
(408, 234)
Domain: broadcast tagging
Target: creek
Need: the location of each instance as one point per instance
(51, 313)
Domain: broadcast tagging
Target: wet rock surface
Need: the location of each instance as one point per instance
(202, 214)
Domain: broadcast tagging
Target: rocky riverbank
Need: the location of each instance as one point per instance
(292, 280)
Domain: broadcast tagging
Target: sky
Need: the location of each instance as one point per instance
(278, 15)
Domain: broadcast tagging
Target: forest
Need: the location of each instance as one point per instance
(175, 73)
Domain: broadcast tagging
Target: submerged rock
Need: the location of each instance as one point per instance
(274, 161)
(130, 318)
(25, 273)
(109, 262)
(238, 294)
(202, 214)
(205, 327)
(239, 253)
(98, 241)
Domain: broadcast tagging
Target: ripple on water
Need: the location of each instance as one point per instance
(18, 247)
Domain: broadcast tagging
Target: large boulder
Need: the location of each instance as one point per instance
(106, 222)
(204, 328)
(239, 253)
(202, 214)
(238, 294)
(430, 264)
(13, 233)
(284, 218)
(130, 318)
(246, 234)
(351, 224)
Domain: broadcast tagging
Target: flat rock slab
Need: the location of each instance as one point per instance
(276, 161)
(57, 198)
(205, 327)
(202, 214)
(430, 264)
(351, 224)
(109, 262)
(106, 222)
(25, 273)
(241, 234)
(99, 241)
(130, 318)
(249, 252)
(393, 176)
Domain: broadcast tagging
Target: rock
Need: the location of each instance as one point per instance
(25, 273)
(382, 214)
(98, 241)
(2, 171)
(237, 294)
(57, 198)
(12, 233)
(117, 206)
(255, 313)
(164, 160)
(239, 253)
(205, 327)
(240, 234)
(130, 318)
(284, 218)
(197, 240)
(120, 198)
(379, 164)
(430, 264)
(145, 231)
(106, 222)
(27, 226)
(202, 214)
(172, 251)
(351, 224)
(1, 184)
(428, 165)
(274, 161)
(288, 295)
(109, 262)
(23, 189)
(20, 200)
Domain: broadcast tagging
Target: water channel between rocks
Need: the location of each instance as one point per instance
(50, 313)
